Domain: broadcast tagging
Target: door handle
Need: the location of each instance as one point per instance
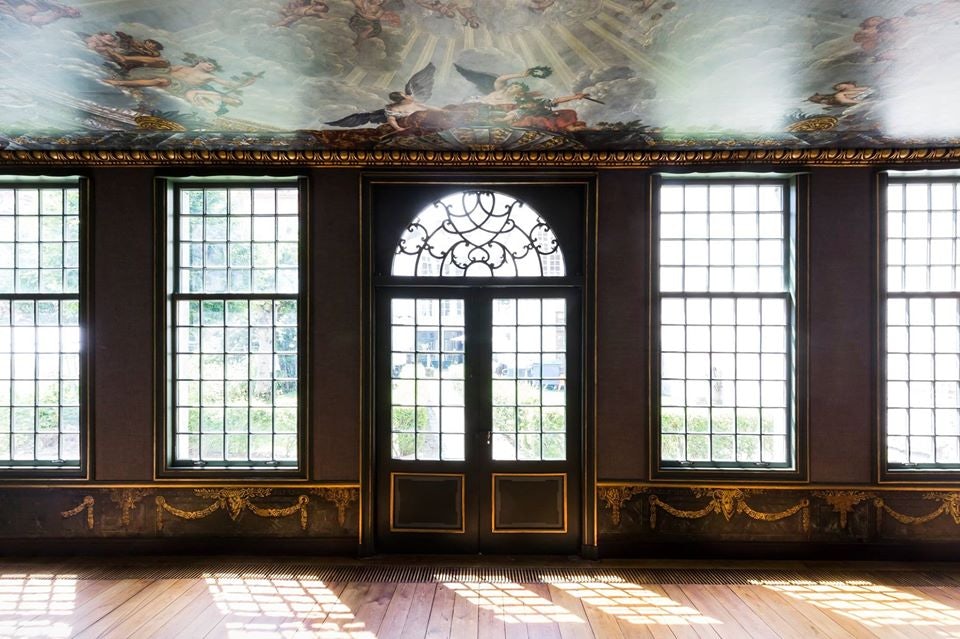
(487, 436)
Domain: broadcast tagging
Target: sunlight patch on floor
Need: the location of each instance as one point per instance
(871, 604)
(513, 603)
(636, 604)
(36, 605)
(278, 608)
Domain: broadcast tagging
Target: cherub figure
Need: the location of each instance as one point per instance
(192, 81)
(370, 15)
(296, 10)
(844, 94)
(127, 52)
(403, 111)
(37, 12)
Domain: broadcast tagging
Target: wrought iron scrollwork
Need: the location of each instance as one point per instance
(478, 233)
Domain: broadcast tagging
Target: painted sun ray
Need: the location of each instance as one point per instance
(426, 54)
(387, 80)
(468, 39)
(504, 44)
(629, 52)
(566, 76)
(616, 26)
(616, 6)
(446, 63)
(578, 47)
(485, 36)
(356, 76)
(523, 48)
(614, 23)
(404, 54)
(384, 80)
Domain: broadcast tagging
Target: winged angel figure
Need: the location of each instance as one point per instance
(405, 109)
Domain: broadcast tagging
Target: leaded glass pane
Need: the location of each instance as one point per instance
(529, 385)
(238, 240)
(236, 327)
(726, 325)
(40, 352)
(922, 331)
(478, 234)
(427, 379)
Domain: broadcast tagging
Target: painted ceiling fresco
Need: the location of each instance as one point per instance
(478, 74)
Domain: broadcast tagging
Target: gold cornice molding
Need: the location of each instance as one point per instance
(648, 158)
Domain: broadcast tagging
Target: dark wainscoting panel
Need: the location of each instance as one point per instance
(636, 518)
(156, 513)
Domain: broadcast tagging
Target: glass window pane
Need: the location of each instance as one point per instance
(922, 413)
(427, 394)
(529, 372)
(727, 359)
(478, 234)
(40, 370)
(244, 351)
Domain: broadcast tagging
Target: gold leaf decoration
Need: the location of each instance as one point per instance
(814, 124)
(234, 501)
(615, 497)
(729, 502)
(127, 499)
(154, 123)
(86, 504)
(843, 501)
(949, 504)
(340, 497)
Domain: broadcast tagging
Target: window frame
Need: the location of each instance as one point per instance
(887, 472)
(166, 213)
(85, 323)
(796, 205)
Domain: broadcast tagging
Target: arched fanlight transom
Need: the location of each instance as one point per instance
(478, 234)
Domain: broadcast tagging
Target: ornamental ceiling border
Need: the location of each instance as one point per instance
(486, 159)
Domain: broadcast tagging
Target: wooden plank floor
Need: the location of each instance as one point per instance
(50, 599)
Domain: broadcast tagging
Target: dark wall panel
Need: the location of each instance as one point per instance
(123, 289)
(841, 324)
(335, 287)
(622, 321)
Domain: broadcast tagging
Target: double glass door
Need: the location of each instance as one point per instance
(478, 419)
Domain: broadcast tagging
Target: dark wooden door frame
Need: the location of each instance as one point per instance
(587, 185)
